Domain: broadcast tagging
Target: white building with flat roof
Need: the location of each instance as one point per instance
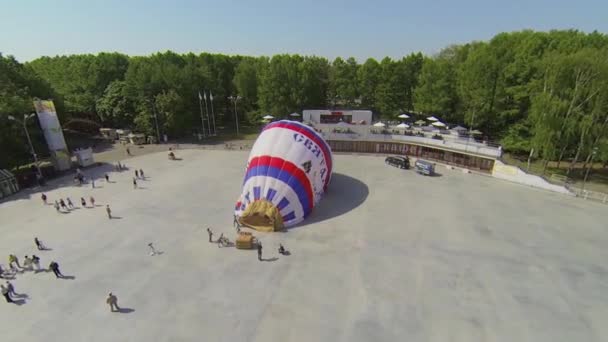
(334, 116)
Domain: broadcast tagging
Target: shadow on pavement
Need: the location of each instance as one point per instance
(125, 310)
(344, 194)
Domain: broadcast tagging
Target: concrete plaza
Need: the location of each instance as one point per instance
(387, 256)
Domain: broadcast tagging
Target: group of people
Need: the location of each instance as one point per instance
(223, 241)
(29, 264)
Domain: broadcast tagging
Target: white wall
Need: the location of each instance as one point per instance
(516, 175)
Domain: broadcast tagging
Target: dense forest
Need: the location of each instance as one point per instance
(546, 91)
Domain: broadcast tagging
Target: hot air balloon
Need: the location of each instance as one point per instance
(288, 170)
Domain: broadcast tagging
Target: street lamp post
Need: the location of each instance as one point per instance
(156, 121)
(29, 141)
(235, 99)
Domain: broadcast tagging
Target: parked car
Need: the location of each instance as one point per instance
(402, 162)
(424, 167)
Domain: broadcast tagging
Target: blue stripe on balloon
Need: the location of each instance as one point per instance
(283, 203)
(256, 192)
(285, 177)
(270, 194)
(289, 216)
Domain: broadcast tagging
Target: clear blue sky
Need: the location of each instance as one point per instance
(330, 28)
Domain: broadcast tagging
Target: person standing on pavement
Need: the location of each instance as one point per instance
(36, 263)
(92, 200)
(43, 196)
(39, 244)
(141, 174)
(92, 183)
(12, 258)
(112, 301)
(11, 289)
(259, 251)
(56, 205)
(5, 293)
(136, 173)
(53, 266)
(83, 202)
(109, 211)
(70, 204)
(107, 178)
(210, 234)
(134, 183)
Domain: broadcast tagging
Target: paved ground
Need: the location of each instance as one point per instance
(388, 256)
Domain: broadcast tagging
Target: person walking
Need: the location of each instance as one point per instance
(56, 205)
(70, 204)
(112, 301)
(5, 293)
(141, 174)
(92, 200)
(39, 244)
(53, 266)
(109, 211)
(210, 234)
(12, 258)
(134, 183)
(43, 196)
(128, 151)
(136, 173)
(92, 183)
(83, 202)
(62, 203)
(152, 249)
(259, 251)
(107, 178)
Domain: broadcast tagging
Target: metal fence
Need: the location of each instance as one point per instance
(578, 191)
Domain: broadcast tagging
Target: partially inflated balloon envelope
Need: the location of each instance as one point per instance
(288, 170)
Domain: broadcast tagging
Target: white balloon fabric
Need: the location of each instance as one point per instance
(288, 170)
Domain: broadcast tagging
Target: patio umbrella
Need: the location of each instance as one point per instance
(294, 114)
(432, 118)
(403, 116)
(268, 117)
(459, 129)
(403, 125)
(342, 123)
(379, 124)
(420, 122)
(438, 124)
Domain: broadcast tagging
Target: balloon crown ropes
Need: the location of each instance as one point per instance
(288, 170)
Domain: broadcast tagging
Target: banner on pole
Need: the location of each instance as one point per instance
(53, 134)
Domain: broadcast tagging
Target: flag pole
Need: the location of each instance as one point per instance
(207, 112)
(200, 104)
(212, 112)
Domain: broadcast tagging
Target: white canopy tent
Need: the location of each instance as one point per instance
(268, 117)
(432, 118)
(402, 125)
(403, 116)
(294, 115)
(438, 124)
(379, 124)
(343, 124)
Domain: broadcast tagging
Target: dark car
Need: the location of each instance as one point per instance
(424, 167)
(402, 162)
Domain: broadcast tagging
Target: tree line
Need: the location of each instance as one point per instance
(546, 91)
